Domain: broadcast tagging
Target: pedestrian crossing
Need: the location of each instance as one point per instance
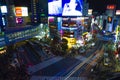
(56, 78)
(82, 58)
(43, 64)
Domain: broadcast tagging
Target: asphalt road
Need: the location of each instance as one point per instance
(60, 68)
(87, 66)
(79, 71)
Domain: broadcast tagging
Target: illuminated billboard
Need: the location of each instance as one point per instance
(111, 7)
(21, 11)
(65, 7)
(54, 7)
(90, 11)
(3, 9)
(117, 12)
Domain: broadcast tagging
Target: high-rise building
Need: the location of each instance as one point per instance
(0, 21)
(118, 3)
(39, 9)
(43, 11)
(85, 8)
(35, 11)
(10, 15)
(110, 17)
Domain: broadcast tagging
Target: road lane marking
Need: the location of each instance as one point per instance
(44, 64)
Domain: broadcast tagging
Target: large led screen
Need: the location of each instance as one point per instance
(21, 11)
(55, 7)
(65, 7)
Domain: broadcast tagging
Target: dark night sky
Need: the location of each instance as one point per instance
(22, 2)
(26, 3)
(100, 5)
(96, 5)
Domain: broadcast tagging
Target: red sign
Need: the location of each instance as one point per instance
(111, 7)
(18, 11)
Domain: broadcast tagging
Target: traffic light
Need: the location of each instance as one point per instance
(109, 19)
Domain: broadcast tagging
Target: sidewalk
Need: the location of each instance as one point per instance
(43, 64)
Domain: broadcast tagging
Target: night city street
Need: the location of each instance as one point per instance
(59, 40)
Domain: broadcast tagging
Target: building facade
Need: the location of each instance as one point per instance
(85, 8)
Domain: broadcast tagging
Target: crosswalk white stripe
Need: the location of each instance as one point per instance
(56, 78)
(44, 64)
(82, 58)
